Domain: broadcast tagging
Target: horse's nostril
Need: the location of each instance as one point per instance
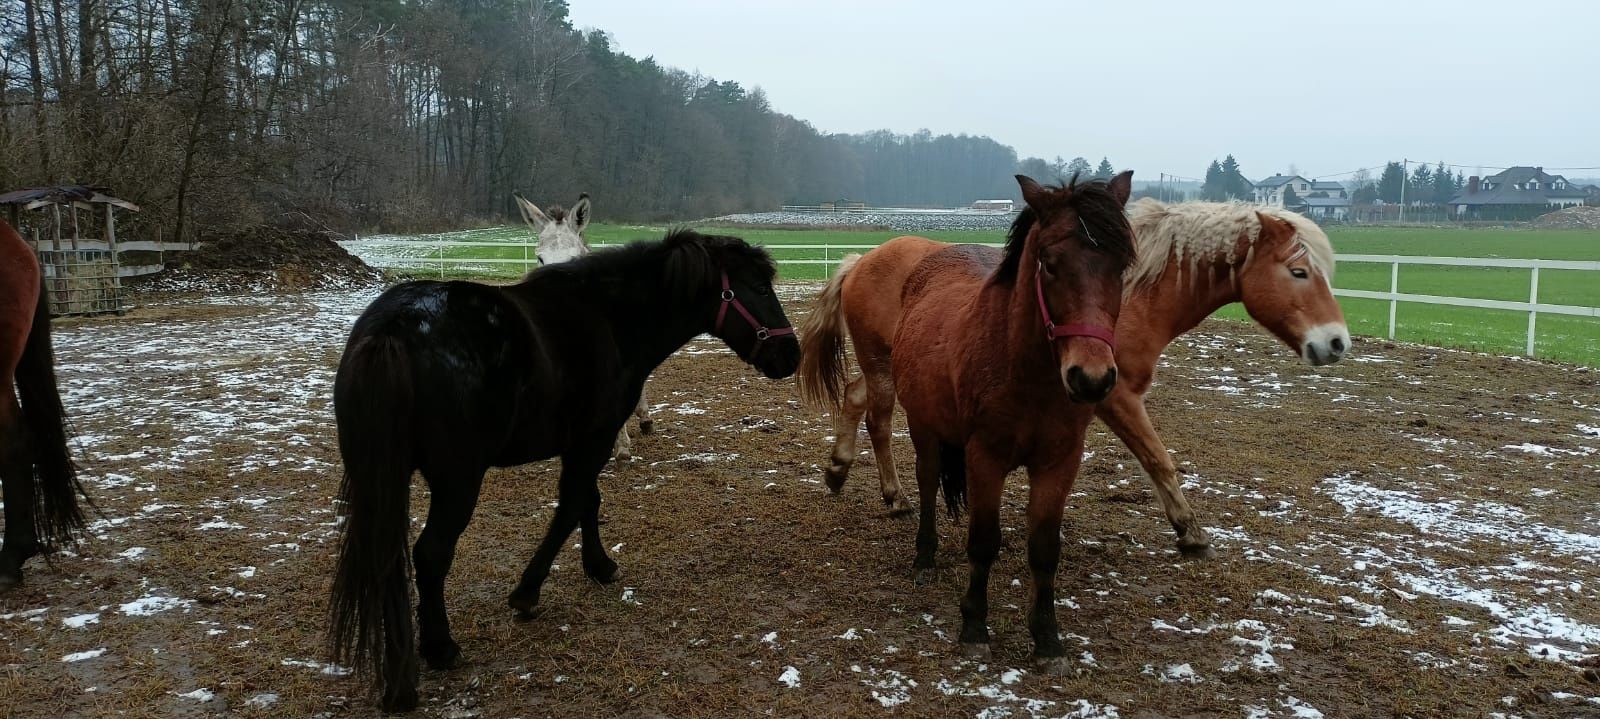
(1338, 345)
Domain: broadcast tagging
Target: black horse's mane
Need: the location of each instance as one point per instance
(1095, 206)
(693, 264)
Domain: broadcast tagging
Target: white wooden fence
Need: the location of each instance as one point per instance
(433, 253)
(1533, 306)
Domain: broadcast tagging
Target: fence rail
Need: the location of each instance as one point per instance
(831, 254)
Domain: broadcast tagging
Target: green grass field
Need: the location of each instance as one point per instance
(1569, 339)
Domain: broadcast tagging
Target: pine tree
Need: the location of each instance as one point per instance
(1078, 167)
(1392, 183)
(1213, 190)
(1105, 170)
(1234, 185)
(1420, 188)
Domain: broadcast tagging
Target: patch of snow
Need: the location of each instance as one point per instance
(79, 621)
(200, 695)
(790, 677)
(148, 605)
(81, 656)
(261, 701)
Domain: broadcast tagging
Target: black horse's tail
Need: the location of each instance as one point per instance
(370, 623)
(57, 518)
(953, 476)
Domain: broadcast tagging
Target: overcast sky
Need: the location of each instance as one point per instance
(1158, 85)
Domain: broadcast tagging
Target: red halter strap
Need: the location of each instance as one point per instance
(1053, 331)
(763, 333)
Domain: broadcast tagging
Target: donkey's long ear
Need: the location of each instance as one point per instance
(1032, 192)
(580, 213)
(1121, 186)
(531, 213)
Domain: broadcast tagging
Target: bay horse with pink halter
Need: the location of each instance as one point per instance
(1000, 357)
(37, 477)
(1193, 259)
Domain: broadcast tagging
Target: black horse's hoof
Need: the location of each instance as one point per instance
(976, 650)
(526, 604)
(399, 700)
(925, 576)
(1054, 666)
(1197, 551)
(604, 575)
(647, 427)
(9, 581)
(443, 655)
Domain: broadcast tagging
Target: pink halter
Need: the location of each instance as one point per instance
(1054, 331)
(763, 333)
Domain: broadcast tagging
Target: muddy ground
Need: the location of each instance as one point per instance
(1413, 532)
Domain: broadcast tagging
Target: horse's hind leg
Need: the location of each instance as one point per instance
(452, 497)
(924, 568)
(16, 480)
(880, 428)
(579, 501)
(846, 422)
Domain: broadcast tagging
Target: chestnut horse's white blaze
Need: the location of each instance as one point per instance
(560, 236)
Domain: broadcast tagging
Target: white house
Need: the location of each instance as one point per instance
(1270, 190)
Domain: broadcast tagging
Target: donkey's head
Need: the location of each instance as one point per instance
(560, 232)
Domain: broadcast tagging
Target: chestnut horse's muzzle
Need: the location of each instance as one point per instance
(1085, 388)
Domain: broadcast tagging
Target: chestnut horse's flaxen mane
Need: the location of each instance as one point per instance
(1191, 233)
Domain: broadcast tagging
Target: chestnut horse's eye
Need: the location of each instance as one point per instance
(1299, 272)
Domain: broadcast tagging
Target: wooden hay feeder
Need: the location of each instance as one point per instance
(82, 274)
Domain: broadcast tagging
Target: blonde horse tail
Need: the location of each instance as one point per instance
(822, 355)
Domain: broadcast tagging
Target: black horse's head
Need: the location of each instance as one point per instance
(732, 279)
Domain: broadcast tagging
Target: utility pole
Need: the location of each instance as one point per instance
(1405, 176)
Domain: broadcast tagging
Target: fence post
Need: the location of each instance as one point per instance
(1533, 314)
(439, 248)
(1394, 289)
(826, 273)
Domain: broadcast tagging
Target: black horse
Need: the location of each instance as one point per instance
(452, 378)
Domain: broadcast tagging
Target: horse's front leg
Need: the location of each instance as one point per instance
(1050, 481)
(1124, 412)
(986, 476)
(579, 489)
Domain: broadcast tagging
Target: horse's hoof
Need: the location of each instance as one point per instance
(899, 507)
(399, 700)
(925, 576)
(976, 650)
(1197, 551)
(445, 655)
(835, 477)
(647, 426)
(9, 582)
(1054, 666)
(527, 606)
(605, 575)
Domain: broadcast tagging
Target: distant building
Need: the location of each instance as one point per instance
(993, 205)
(1517, 191)
(1320, 199)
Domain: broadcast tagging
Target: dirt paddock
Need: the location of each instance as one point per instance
(1412, 532)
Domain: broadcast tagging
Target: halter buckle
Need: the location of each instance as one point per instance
(727, 295)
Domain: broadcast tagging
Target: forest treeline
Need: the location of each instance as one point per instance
(419, 114)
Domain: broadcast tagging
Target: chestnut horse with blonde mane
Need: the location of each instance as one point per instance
(37, 477)
(1000, 355)
(1193, 258)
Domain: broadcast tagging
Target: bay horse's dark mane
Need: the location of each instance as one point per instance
(1094, 204)
(693, 264)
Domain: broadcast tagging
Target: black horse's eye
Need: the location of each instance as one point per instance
(1299, 272)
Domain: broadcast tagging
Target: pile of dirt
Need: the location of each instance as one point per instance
(1570, 218)
(263, 259)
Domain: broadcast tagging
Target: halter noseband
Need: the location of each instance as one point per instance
(763, 333)
(1053, 331)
